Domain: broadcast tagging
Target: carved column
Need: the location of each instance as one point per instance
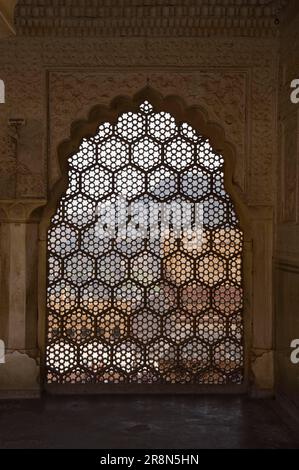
(262, 354)
(19, 240)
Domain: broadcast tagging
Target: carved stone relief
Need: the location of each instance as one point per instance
(288, 184)
(221, 93)
(290, 172)
(233, 79)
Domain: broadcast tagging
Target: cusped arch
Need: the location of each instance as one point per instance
(194, 116)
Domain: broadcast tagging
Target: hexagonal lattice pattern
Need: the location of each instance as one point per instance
(211, 270)
(63, 239)
(228, 355)
(147, 154)
(141, 310)
(79, 211)
(79, 269)
(128, 356)
(93, 244)
(146, 269)
(112, 326)
(195, 355)
(54, 327)
(78, 326)
(211, 327)
(207, 158)
(162, 297)
(215, 211)
(130, 126)
(178, 268)
(112, 268)
(189, 133)
(228, 298)
(85, 157)
(162, 183)
(95, 297)
(162, 355)
(129, 297)
(227, 241)
(118, 152)
(178, 326)
(62, 296)
(55, 268)
(96, 183)
(130, 246)
(145, 326)
(179, 153)
(162, 126)
(195, 183)
(61, 356)
(130, 182)
(94, 355)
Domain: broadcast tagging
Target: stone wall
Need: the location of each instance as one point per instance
(52, 82)
(287, 215)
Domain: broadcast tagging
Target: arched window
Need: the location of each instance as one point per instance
(145, 260)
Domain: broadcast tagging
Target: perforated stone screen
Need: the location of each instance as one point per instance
(144, 309)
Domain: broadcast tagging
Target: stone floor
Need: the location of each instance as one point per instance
(129, 422)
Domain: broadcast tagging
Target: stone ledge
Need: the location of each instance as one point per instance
(20, 395)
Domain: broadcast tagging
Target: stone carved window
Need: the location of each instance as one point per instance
(142, 309)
